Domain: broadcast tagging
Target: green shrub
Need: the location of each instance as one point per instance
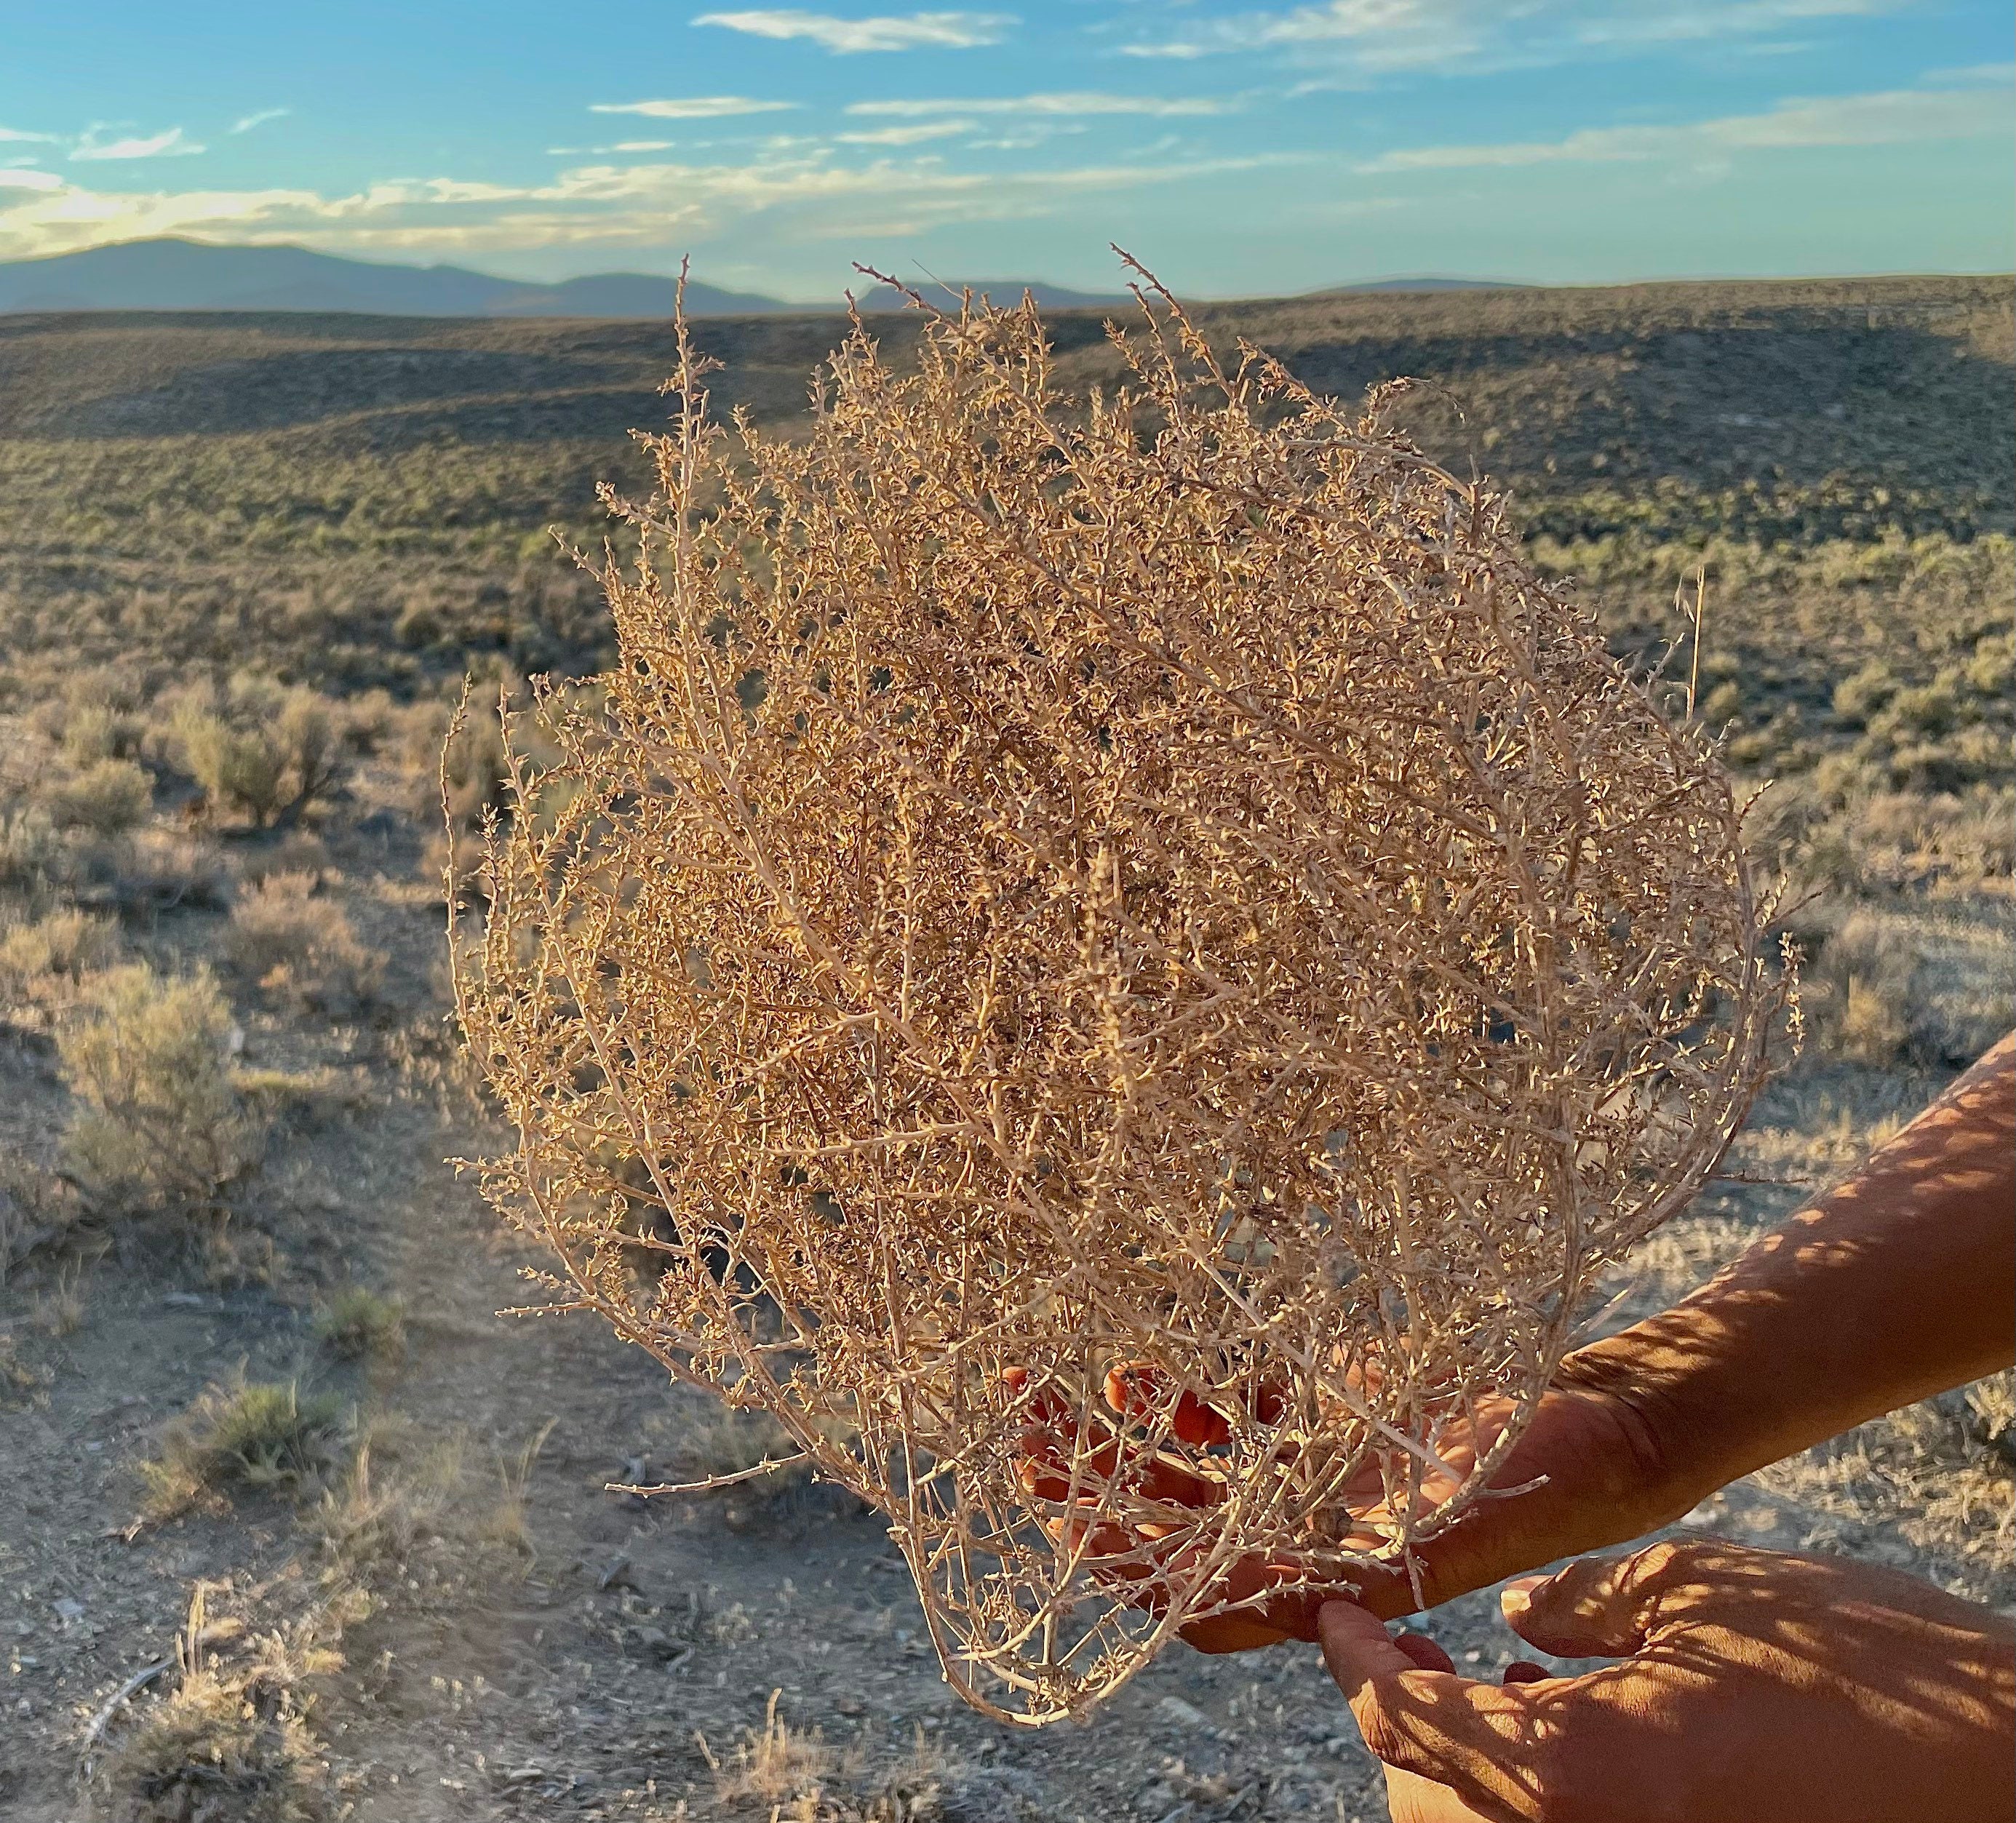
(106, 797)
(63, 946)
(263, 753)
(96, 731)
(30, 851)
(1928, 711)
(1858, 696)
(1991, 671)
(246, 1437)
(1860, 990)
(360, 1325)
(160, 870)
(1722, 704)
(157, 1121)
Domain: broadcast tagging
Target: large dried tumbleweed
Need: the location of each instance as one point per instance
(1150, 893)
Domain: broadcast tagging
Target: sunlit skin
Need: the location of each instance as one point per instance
(1882, 1694)
(1750, 1686)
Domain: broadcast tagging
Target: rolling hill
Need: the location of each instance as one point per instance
(193, 276)
(185, 274)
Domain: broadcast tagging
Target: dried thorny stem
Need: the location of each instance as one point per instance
(1118, 966)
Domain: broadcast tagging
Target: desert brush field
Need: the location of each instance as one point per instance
(296, 1525)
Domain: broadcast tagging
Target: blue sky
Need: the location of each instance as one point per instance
(1239, 149)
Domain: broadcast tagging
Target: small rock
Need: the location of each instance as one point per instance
(67, 1610)
(1180, 1714)
(616, 1570)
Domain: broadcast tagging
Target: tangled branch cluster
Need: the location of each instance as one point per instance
(1147, 893)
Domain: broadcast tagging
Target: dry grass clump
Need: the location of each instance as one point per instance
(228, 1743)
(158, 1120)
(247, 1436)
(795, 1775)
(395, 1498)
(359, 1324)
(298, 942)
(1105, 950)
(781, 1769)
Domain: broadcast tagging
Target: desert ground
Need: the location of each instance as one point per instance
(295, 1524)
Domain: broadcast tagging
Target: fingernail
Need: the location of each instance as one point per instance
(1518, 1597)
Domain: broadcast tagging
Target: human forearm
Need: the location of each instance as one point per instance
(1900, 1283)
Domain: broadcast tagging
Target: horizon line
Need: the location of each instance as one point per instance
(1455, 280)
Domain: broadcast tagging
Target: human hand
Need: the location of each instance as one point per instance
(1752, 1684)
(1603, 1479)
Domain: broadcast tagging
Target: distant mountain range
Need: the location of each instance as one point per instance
(187, 274)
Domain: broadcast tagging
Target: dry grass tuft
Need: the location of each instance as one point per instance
(296, 942)
(360, 1324)
(228, 1742)
(391, 1499)
(778, 1768)
(1141, 941)
(506, 1519)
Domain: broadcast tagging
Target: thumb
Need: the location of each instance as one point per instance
(1601, 1607)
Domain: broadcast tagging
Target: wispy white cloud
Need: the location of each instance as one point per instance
(691, 107)
(260, 118)
(2004, 74)
(1892, 117)
(622, 146)
(1378, 33)
(1385, 35)
(906, 136)
(909, 31)
(1692, 21)
(168, 145)
(19, 179)
(1070, 102)
(1025, 134)
(804, 195)
(14, 134)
